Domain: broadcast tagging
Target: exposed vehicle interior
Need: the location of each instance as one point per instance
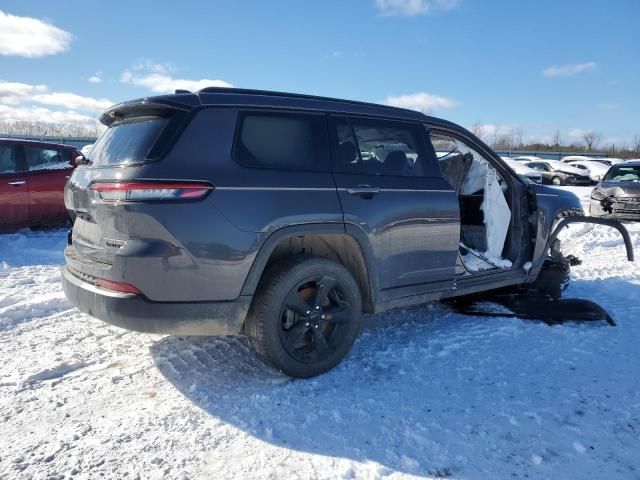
(383, 150)
(485, 211)
(624, 173)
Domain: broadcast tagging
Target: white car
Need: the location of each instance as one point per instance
(522, 170)
(528, 158)
(575, 158)
(611, 160)
(596, 170)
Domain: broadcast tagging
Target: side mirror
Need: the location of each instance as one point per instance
(80, 160)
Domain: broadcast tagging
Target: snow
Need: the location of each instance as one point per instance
(425, 393)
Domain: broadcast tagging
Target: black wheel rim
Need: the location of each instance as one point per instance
(313, 319)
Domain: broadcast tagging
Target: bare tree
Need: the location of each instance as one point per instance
(592, 140)
(556, 140)
(635, 145)
(479, 130)
(49, 129)
(517, 135)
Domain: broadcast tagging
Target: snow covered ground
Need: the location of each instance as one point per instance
(425, 393)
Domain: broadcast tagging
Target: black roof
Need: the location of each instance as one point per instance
(222, 96)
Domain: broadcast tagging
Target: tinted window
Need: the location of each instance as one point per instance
(39, 158)
(8, 162)
(385, 148)
(127, 142)
(282, 141)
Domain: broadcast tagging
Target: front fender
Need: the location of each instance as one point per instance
(598, 221)
(551, 204)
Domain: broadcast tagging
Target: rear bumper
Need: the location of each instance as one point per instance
(135, 312)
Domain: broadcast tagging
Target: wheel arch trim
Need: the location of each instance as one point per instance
(269, 245)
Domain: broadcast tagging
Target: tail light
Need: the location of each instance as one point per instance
(151, 191)
(116, 286)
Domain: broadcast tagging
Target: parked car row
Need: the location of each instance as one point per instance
(571, 170)
(32, 179)
(555, 172)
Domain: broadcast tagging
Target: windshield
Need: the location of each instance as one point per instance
(127, 142)
(623, 174)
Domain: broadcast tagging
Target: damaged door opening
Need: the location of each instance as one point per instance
(483, 196)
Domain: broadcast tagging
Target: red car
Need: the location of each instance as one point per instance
(32, 179)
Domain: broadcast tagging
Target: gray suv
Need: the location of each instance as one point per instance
(285, 217)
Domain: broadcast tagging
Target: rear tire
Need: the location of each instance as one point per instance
(305, 316)
(556, 181)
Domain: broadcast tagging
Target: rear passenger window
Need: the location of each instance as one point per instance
(44, 159)
(287, 141)
(8, 162)
(381, 148)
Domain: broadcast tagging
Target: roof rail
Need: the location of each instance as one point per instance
(270, 93)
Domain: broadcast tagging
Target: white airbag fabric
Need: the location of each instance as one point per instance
(496, 215)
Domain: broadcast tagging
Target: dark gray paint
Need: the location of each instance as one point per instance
(212, 252)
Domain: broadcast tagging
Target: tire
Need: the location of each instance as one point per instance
(553, 279)
(556, 181)
(285, 328)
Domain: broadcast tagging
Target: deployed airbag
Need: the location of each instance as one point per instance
(496, 214)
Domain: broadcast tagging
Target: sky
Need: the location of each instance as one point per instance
(536, 67)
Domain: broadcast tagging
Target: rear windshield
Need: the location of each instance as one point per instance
(623, 174)
(127, 142)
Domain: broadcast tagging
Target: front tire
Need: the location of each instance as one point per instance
(556, 181)
(305, 316)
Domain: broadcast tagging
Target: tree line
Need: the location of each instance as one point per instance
(590, 142)
(35, 128)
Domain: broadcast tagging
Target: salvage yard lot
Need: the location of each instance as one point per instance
(426, 392)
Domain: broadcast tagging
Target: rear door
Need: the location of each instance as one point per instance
(48, 170)
(14, 193)
(391, 188)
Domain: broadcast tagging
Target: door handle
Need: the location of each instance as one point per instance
(17, 183)
(364, 191)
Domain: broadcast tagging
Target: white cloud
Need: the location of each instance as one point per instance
(13, 93)
(40, 114)
(97, 78)
(411, 8)
(578, 133)
(27, 102)
(73, 101)
(30, 37)
(158, 78)
(422, 102)
(569, 70)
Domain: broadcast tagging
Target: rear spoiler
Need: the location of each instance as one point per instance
(150, 106)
